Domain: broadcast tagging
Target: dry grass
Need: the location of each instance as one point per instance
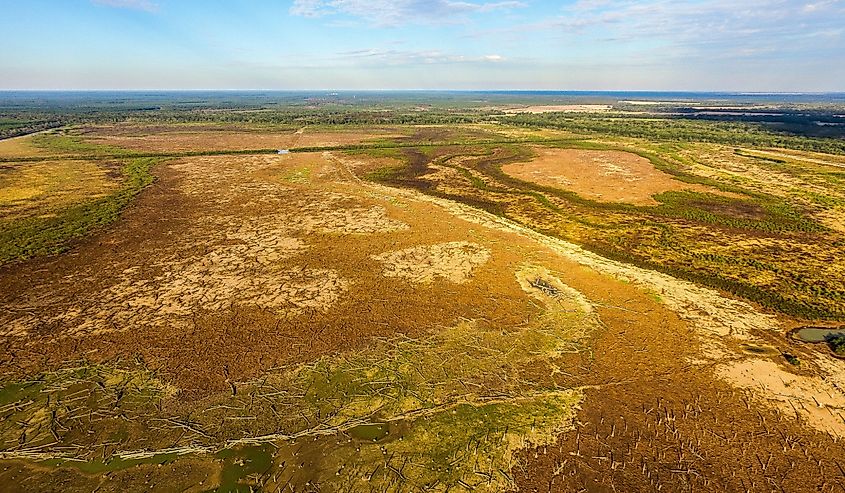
(181, 138)
(273, 292)
(44, 187)
(20, 147)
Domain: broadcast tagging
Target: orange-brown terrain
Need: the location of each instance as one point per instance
(392, 319)
(609, 176)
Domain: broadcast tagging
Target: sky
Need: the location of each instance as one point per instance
(660, 45)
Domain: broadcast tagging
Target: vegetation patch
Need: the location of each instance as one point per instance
(56, 408)
(837, 344)
(35, 235)
(448, 410)
(730, 237)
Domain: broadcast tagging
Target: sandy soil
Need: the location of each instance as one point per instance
(608, 176)
(452, 261)
(814, 399)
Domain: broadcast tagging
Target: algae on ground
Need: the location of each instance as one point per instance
(448, 410)
(469, 446)
(239, 464)
(75, 407)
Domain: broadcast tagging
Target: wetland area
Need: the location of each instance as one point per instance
(491, 292)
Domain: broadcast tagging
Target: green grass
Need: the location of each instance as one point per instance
(792, 359)
(240, 463)
(62, 142)
(33, 236)
(298, 175)
(772, 214)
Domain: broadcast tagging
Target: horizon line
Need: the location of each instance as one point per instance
(665, 91)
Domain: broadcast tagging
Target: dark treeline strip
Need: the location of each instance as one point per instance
(13, 128)
(675, 129)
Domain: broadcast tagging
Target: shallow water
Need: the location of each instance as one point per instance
(818, 334)
(373, 432)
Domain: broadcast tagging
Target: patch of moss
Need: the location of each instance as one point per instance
(241, 463)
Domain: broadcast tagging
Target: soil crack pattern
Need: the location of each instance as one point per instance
(721, 323)
(452, 261)
(451, 410)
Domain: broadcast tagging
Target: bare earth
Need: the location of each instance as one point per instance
(606, 176)
(175, 138)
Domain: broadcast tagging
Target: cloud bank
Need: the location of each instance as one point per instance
(397, 12)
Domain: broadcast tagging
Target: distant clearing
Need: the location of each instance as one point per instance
(567, 108)
(170, 138)
(608, 176)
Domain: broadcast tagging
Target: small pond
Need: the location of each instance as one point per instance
(817, 334)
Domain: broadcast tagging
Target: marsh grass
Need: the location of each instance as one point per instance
(36, 235)
(666, 237)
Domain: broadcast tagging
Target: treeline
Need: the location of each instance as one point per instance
(14, 128)
(303, 116)
(295, 116)
(672, 129)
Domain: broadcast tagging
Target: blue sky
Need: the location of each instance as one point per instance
(733, 45)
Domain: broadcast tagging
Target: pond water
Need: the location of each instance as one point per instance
(818, 334)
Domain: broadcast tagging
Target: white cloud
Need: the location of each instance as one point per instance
(400, 57)
(396, 12)
(145, 5)
(820, 5)
(693, 28)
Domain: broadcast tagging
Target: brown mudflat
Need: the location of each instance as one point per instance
(275, 321)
